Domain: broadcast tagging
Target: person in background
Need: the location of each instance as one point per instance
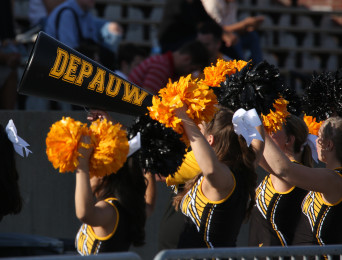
(10, 57)
(210, 34)
(154, 72)
(320, 221)
(40, 9)
(73, 23)
(129, 56)
(180, 22)
(240, 37)
(277, 211)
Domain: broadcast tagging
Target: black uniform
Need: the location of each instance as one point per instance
(275, 216)
(213, 223)
(320, 223)
(87, 243)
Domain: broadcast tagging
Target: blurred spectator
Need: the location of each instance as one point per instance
(10, 57)
(179, 24)
(74, 24)
(129, 56)
(39, 10)
(337, 19)
(154, 72)
(224, 12)
(210, 34)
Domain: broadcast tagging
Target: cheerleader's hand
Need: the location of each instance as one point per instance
(95, 114)
(85, 149)
(180, 112)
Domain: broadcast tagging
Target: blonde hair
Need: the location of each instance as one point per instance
(296, 127)
(331, 129)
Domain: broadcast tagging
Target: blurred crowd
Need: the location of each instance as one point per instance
(211, 25)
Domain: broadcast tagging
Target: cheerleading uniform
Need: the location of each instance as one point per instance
(212, 224)
(87, 243)
(320, 222)
(275, 215)
(171, 225)
(172, 222)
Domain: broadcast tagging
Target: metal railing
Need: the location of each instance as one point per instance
(254, 253)
(103, 256)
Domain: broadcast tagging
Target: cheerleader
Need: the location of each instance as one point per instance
(320, 220)
(218, 199)
(277, 209)
(111, 208)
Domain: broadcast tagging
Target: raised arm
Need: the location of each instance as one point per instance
(150, 194)
(218, 181)
(97, 214)
(321, 180)
(258, 145)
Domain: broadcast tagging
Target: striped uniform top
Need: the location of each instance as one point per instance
(154, 72)
(321, 222)
(209, 223)
(88, 243)
(275, 215)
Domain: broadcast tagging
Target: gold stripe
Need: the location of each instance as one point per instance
(206, 200)
(206, 227)
(275, 191)
(273, 224)
(116, 223)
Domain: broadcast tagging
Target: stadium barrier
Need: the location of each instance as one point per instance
(244, 253)
(103, 256)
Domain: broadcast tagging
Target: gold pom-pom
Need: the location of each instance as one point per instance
(214, 75)
(199, 99)
(312, 124)
(62, 144)
(110, 148)
(275, 119)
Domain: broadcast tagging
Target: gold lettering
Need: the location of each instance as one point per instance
(69, 75)
(113, 92)
(132, 94)
(60, 63)
(98, 81)
(85, 72)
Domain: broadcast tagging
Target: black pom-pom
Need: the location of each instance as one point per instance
(338, 92)
(162, 151)
(322, 97)
(252, 87)
(295, 103)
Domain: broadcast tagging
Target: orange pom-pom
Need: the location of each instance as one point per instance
(275, 119)
(199, 99)
(62, 144)
(214, 75)
(111, 148)
(312, 124)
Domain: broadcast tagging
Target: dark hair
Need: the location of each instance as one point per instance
(331, 129)
(128, 51)
(10, 198)
(128, 185)
(211, 27)
(232, 150)
(296, 127)
(197, 51)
